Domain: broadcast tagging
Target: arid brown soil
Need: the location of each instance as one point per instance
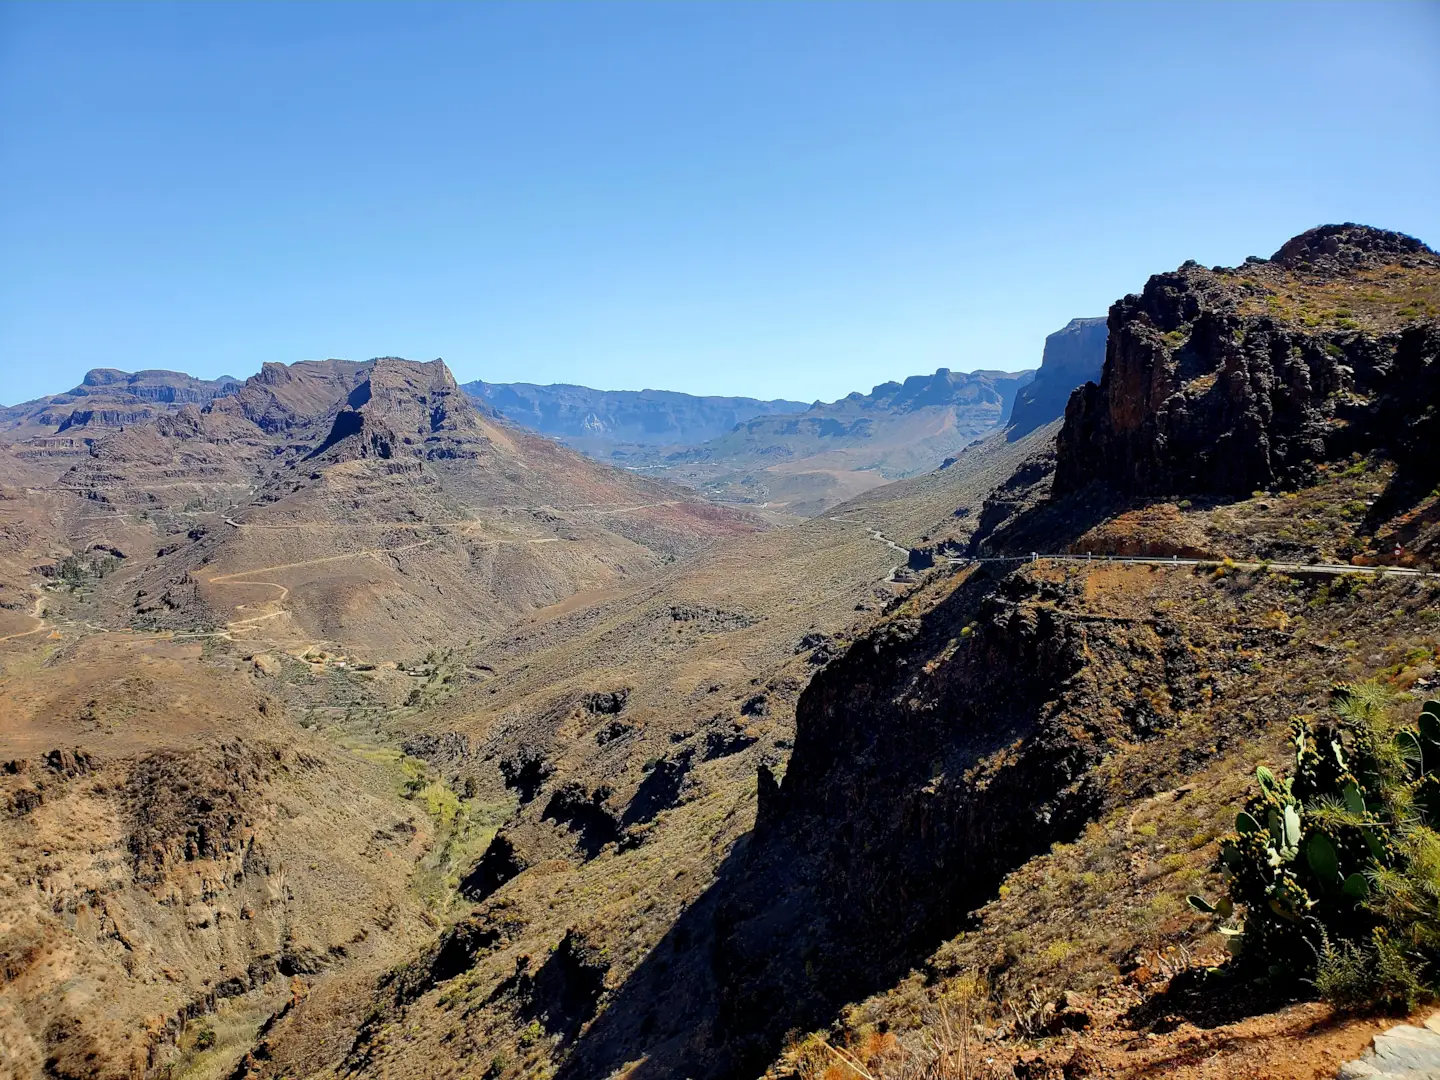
(349, 731)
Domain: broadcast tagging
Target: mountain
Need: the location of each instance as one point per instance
(999, 785)
(300, 780)
(801, 464)
(367, 504)
(994, 742)
(1073, 356)
(597, 420)
(52, 431)
(1234, 379)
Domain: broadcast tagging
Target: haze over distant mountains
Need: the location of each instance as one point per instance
(351, 728)
(806, 463)
(786, 458)
(594, 420)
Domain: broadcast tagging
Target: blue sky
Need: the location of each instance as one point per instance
(794, 199)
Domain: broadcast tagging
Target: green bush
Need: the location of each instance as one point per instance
(1333, 874)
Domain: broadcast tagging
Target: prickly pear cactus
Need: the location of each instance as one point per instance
(1306, 850)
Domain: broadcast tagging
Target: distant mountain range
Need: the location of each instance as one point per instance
(786, 458)
(595, 419)
(805, 463)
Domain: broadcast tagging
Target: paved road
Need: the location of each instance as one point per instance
(1278, 567)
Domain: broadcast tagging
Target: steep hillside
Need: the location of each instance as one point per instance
(800, 465)
(175, 852)
(629, 732)
(599, 421)
(206, 812)
(1074, 355)
(361, 507)
(1012, 781)
(1007, 785)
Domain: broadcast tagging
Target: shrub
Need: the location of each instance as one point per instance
(1336, 870)
(1357, 976)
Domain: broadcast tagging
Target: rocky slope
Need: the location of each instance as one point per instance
(1010, 783)
(1002, 714)
(204, 813)
(597, 421)
(174, 852)
(1074, 355)
(52, 432)
(628, 732)
(1237, 379)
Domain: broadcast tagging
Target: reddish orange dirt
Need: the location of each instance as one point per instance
(1307, 1041)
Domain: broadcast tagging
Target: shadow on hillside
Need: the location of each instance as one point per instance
(665, 1013)
(1048, 526)
(737, 970)
(861, 864)
(1206, 998)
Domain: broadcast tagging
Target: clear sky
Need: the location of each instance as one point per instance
(789, 199)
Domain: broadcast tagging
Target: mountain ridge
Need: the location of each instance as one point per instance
(592, 418)
(804, 463)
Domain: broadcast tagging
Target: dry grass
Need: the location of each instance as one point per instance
(1375, 299)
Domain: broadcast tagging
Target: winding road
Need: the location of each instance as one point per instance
(1279, 567)
(233, 580)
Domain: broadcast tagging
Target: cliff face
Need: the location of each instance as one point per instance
(405, 408)
(168, 387)
(921, 774)
(1074, 355)
(1230, 380)
(996, 713)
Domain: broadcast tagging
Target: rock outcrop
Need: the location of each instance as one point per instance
(1230, 380)
(1074, 355)
(402, 407)
(110, 398)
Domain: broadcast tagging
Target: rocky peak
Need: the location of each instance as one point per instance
(286, 397)
(1338, 248)
(406, 407)
(1226, 381)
